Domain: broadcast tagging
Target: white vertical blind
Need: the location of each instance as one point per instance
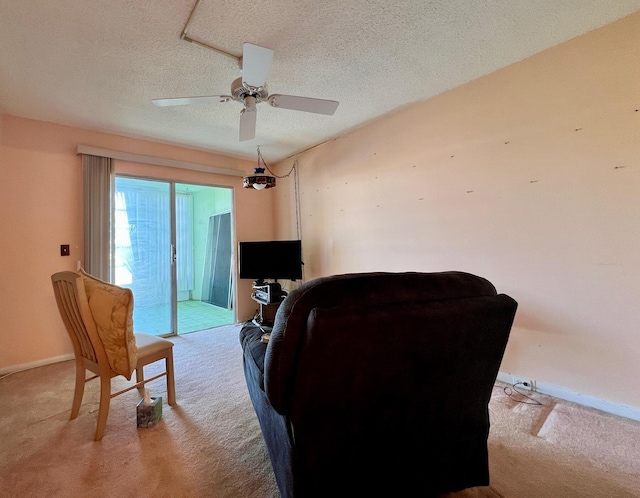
(98, 185)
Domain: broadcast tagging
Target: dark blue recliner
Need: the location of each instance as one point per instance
(378, 384)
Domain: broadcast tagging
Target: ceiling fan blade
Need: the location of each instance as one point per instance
(306, 104)
(191, 100)
(248, 124)
(256, 62)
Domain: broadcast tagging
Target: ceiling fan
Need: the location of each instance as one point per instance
(251, 89)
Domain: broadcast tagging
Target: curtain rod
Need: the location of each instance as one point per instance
(157, 161)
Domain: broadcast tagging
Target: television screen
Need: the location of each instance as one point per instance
(270, 260)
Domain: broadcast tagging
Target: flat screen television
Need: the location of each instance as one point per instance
(270, 260)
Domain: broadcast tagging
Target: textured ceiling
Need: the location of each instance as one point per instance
(98, 64)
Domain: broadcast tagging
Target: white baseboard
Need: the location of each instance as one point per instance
(34, 364)
(626, 411)
(630, 412)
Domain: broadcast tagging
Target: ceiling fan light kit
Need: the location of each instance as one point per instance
(251, 89)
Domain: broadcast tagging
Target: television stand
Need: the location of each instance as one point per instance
(266, 315)
(266, 292)
(268, 295)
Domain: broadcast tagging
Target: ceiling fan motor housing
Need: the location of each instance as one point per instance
(239, 91)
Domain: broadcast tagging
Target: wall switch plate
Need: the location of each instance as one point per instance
(64, 250)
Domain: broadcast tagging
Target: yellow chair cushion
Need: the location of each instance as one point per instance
(112, 310)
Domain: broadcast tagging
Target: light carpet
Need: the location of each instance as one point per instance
(210, 445)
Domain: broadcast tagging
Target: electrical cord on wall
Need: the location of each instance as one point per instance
(294, 171)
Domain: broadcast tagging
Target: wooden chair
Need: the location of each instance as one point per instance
(90, 352)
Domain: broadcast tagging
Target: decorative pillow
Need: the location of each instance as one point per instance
(112, 310)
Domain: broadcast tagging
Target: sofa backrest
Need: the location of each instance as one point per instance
(352, 291)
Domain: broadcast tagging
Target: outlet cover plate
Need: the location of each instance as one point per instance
(523, 383)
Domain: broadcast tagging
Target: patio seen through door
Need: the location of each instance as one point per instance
(173, 248)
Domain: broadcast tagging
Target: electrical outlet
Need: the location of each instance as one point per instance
(523, 383)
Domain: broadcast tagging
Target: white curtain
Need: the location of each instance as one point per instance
(143, 235)
(98, 186)
(144, 252)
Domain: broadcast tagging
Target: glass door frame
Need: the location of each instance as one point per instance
(173, 253)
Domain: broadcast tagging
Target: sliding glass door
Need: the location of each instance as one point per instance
(164, 249)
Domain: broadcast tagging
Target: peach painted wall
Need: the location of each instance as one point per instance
(41, 208)
(529, 177)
